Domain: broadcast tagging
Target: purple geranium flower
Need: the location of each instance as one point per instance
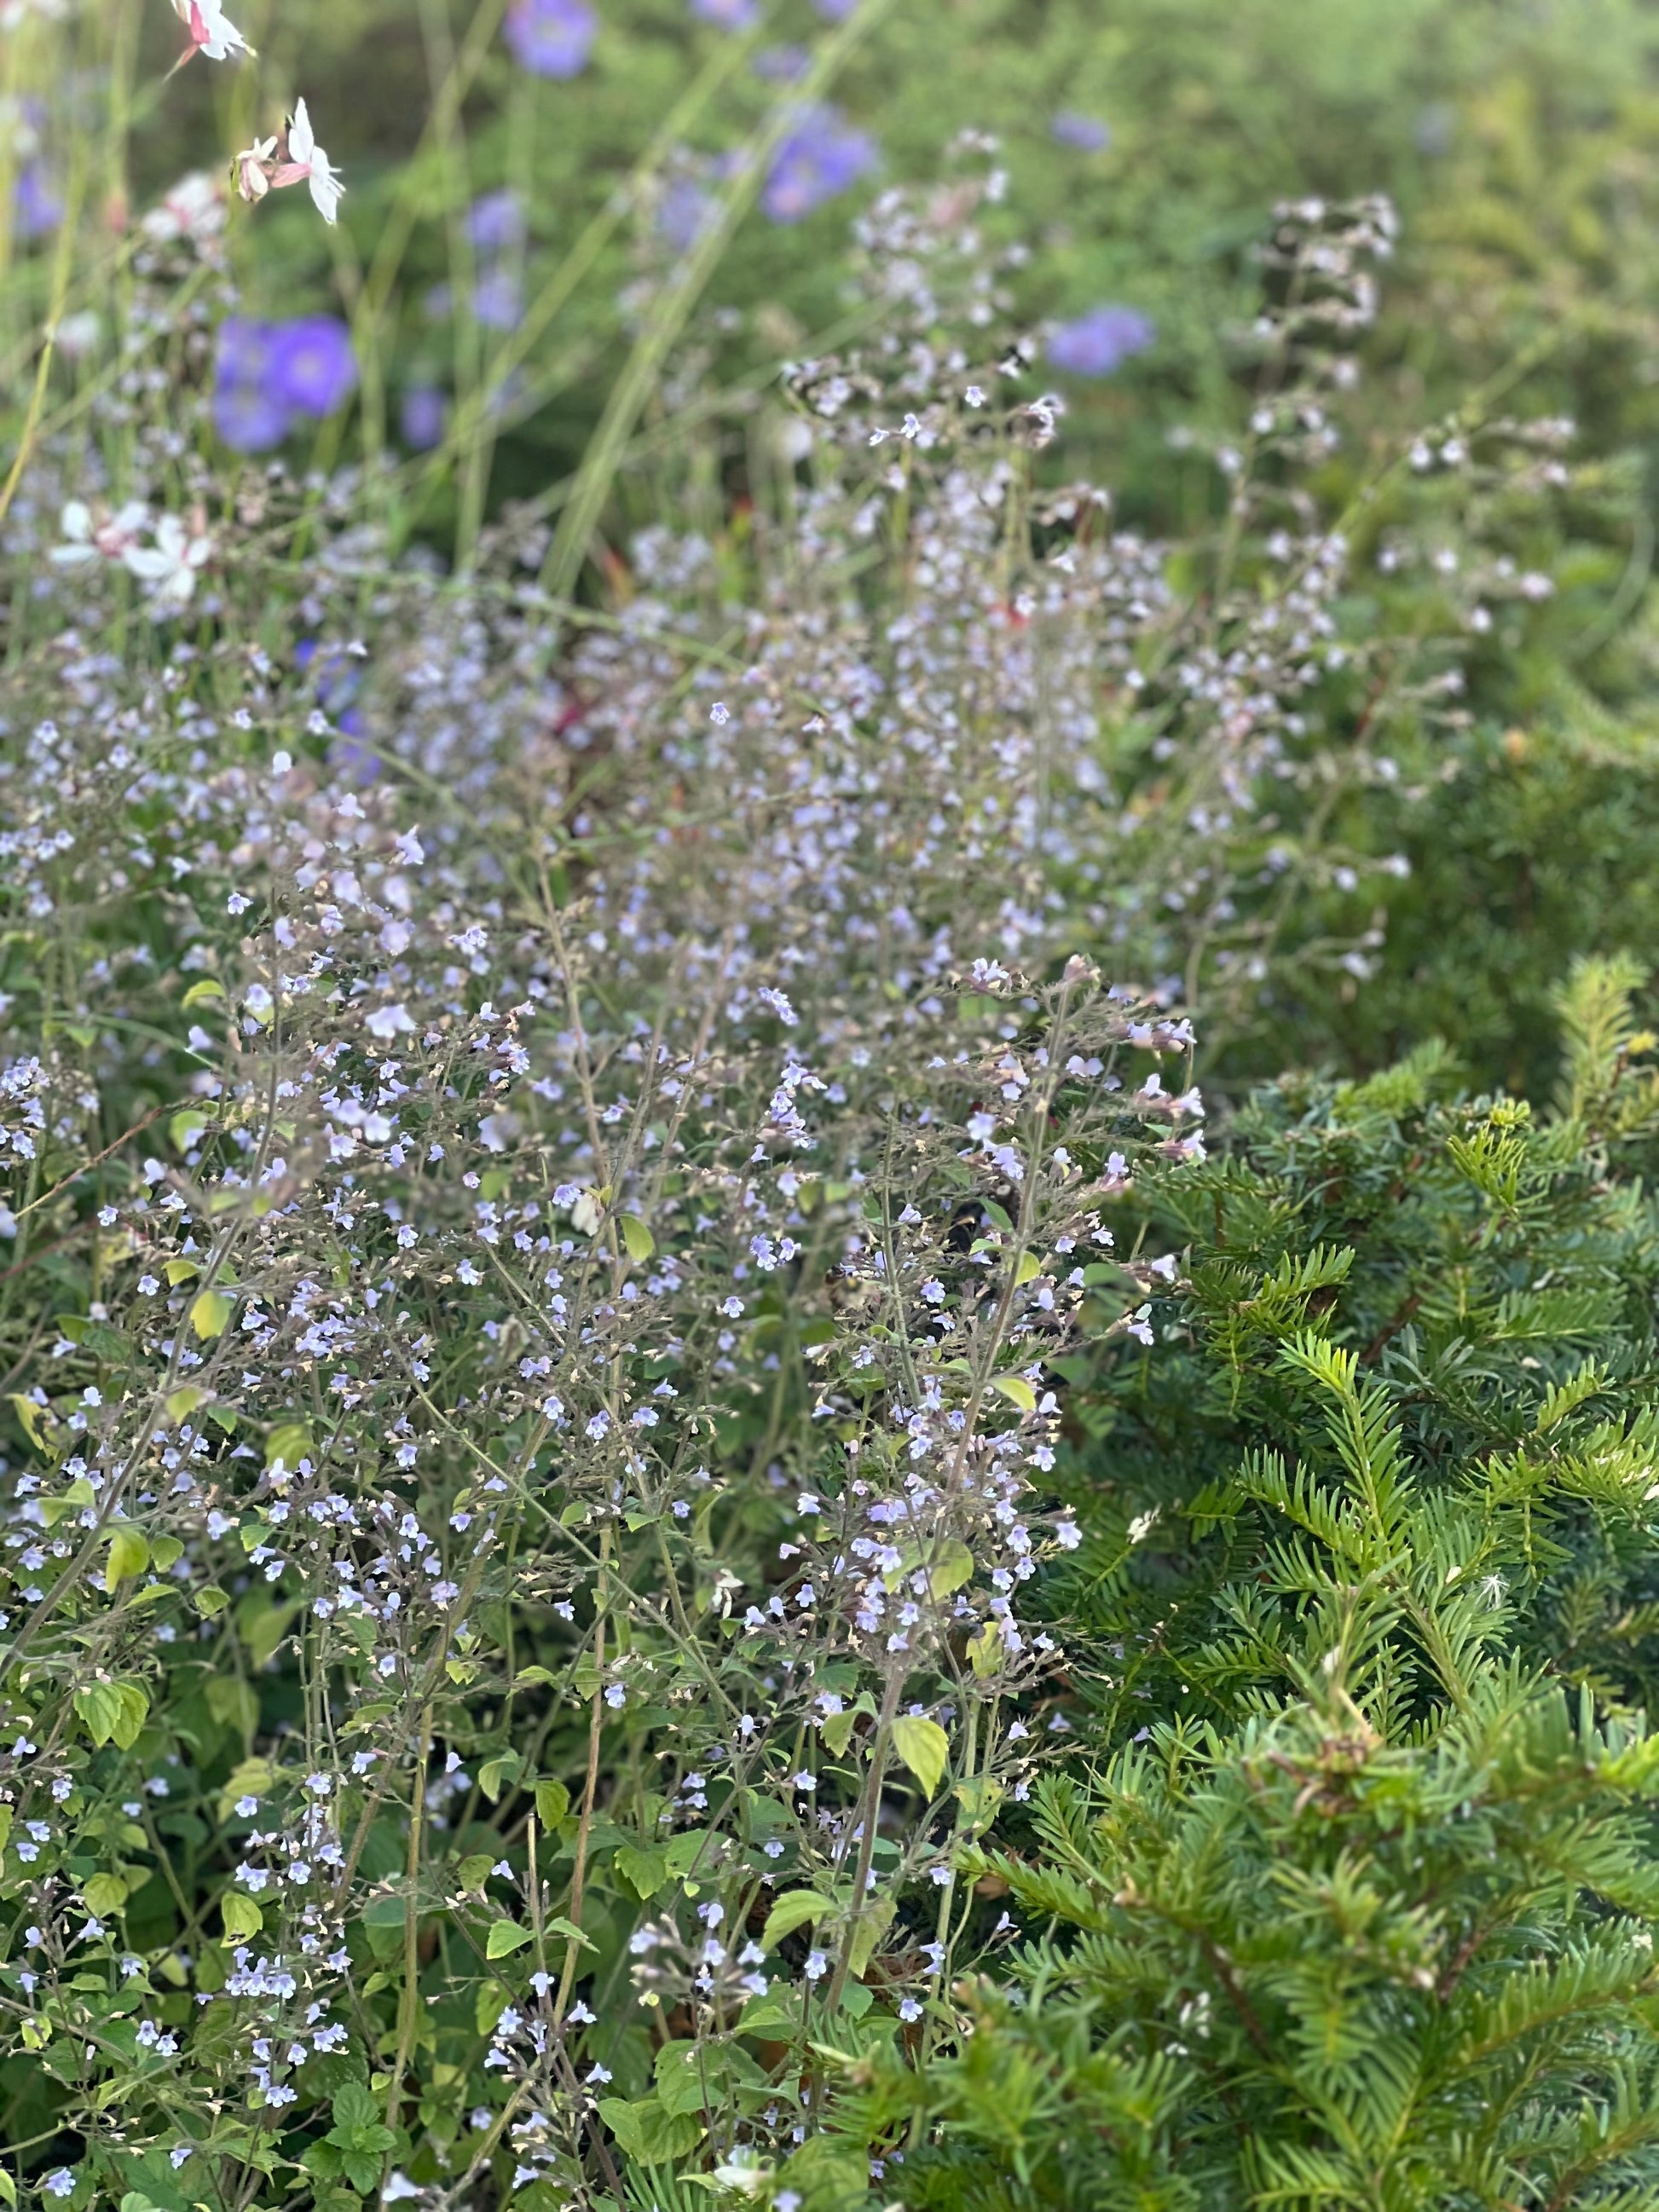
(727, 15)
(36, 208)
(1086, 132)
(495, 222)
(1099, 342)
(249, 418)
(316, 365)
(823, 155)
(424, 413)
(250, 408)
(551, 38)
(246, 350)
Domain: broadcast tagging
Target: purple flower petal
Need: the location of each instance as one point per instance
(248, 417)
(551, 38)
(318, 369)
(495, 222)
(782, 64)
(424, 411)
(823, 155)
(1099, 342)
(727, 15)
(36, 207)
(498, 300)
(1086, 132)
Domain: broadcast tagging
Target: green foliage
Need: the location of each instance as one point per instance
(1457, 1293)
(1357, 1906)
(1311, 1963)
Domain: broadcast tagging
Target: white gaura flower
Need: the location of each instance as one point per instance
(251, 170)
(98, 537)
(306, 163)
(171, 564)
(211, 31)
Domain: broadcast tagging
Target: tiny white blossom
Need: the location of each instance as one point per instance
(172, 563)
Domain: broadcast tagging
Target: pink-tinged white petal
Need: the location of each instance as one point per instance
(302, 143)
(326, 190)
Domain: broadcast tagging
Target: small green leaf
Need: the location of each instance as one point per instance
(552, 1803)
(181, 1271)
(873, 1923)
(648, 2133)
(495, 1771)
(184, 1401)
(952, 1566)
(504, 1938)
(1015, 1387)
(637, 1237)
(1029, 1269)
(105, 1893)
(474, 1870)
(289, 1442)
(796, 1908)
(211, 1312)
(242, 1915)
(129, 1555)
(838, 1731)
(30, 1415)
(207, 988)
(134, 1711)
(644, 1871)
(185, 1128)
(924, 1747)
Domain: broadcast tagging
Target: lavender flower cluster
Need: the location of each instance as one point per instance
(574, 1170)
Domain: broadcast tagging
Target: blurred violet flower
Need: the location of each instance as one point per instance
(727, 15)
(835, 11)
(250, 408)
(494, 222)
(1099, 342)
(36, 208)
(782, 64)
(498, 300)
(424, 412)
(683, 213)
(1086, 132)
(249, 418)
(551, 38)
(316, 368)
(350, 759)
(269, 371)
(823, 155)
